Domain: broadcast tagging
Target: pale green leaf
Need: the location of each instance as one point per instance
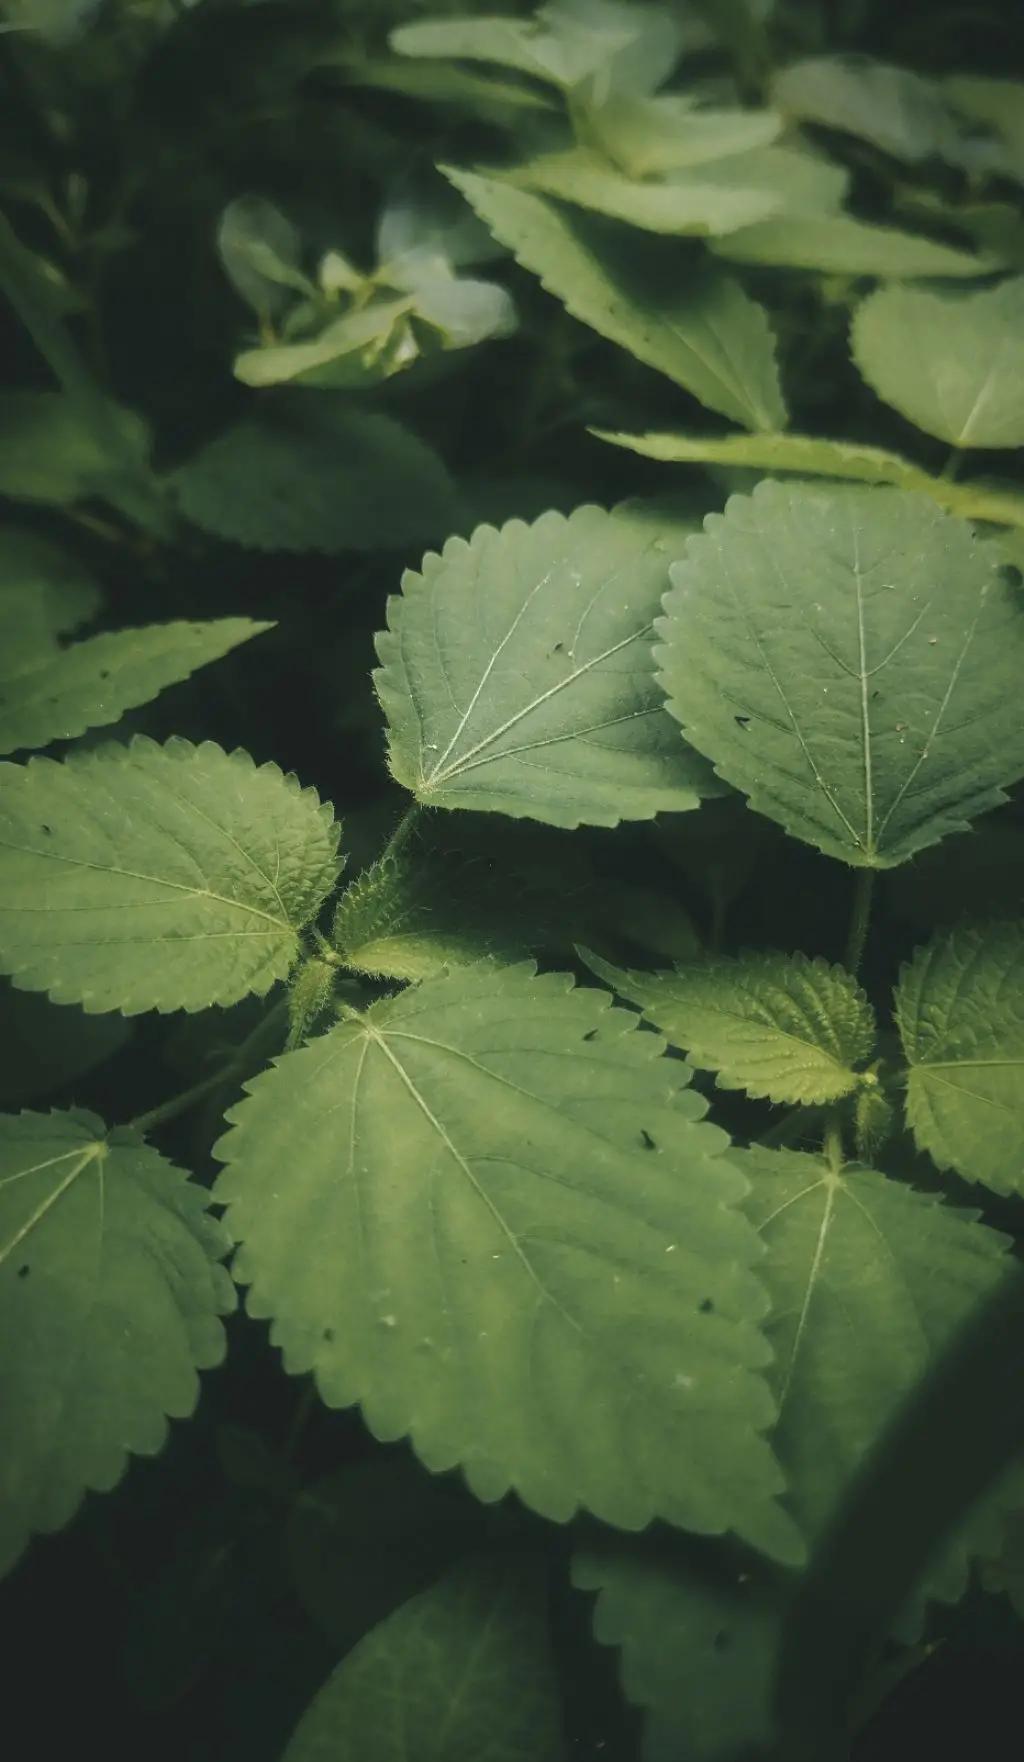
(157, 877)
(628, 48)
(838, 244)
(960, 1009)
(669, 133)
(358, 350)
(781, 1026)
(517, 677)
(680, 205)
(439, 82)
(110, 1295)
(848, 658)
(46, 1047)
(528, 1254)
(871, 1283)
(463, 1672)
(260, 251)
(953, 363)
(701, 329)
(320, 478)
(56, 695)
(811, 456)
(899, 111)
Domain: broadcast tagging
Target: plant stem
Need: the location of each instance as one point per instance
(234, 1064)
(954, 460)
(860, 919)
(400, 836)
(835, 1155)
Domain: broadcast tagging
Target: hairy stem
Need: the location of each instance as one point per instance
(835, 1155)
(403, 831)
(860, 918)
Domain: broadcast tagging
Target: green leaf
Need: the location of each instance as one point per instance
(848, 659)
(260, 250)
(645, 136)
(326, 478)
(516, 674)
(810, 456)
(460, 1673)
(699, 1640)
(528, 1254)
(896, 110)
(997, 105)
(44, 594)
(701, 330)
(780, 1026)
(953, 363)
(363, 1538)
(837, 244)
(960, 1009)
(631, 47)
(51, 451)
(46, 1047)
(110, 1295)
(871, 1282)
(56, 695)
(679, 205)
(358, 350)
(157, 877)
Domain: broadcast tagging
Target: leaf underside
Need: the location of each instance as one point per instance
(507, 1234)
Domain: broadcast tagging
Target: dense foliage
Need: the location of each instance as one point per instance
(511, 547)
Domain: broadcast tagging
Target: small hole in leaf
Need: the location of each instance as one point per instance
(1010, 573)
(104, 672)
(742, 721)
(558, 648)
(591, 1034)
(705, 1306)
(23, 1271)
(46, 829)
(328, 1335)
(646, 1140)
(721, 1640)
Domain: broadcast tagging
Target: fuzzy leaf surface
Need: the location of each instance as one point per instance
(58, 694)
(701, 330)
(516, 674)
(960, 1009)
(157, 877)
(952, 363)
(847, 658)
(508, 1234)
(463, 1672)
(781, 1026)
(110, 1299)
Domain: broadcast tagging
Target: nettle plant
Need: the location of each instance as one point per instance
(664, 1251)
